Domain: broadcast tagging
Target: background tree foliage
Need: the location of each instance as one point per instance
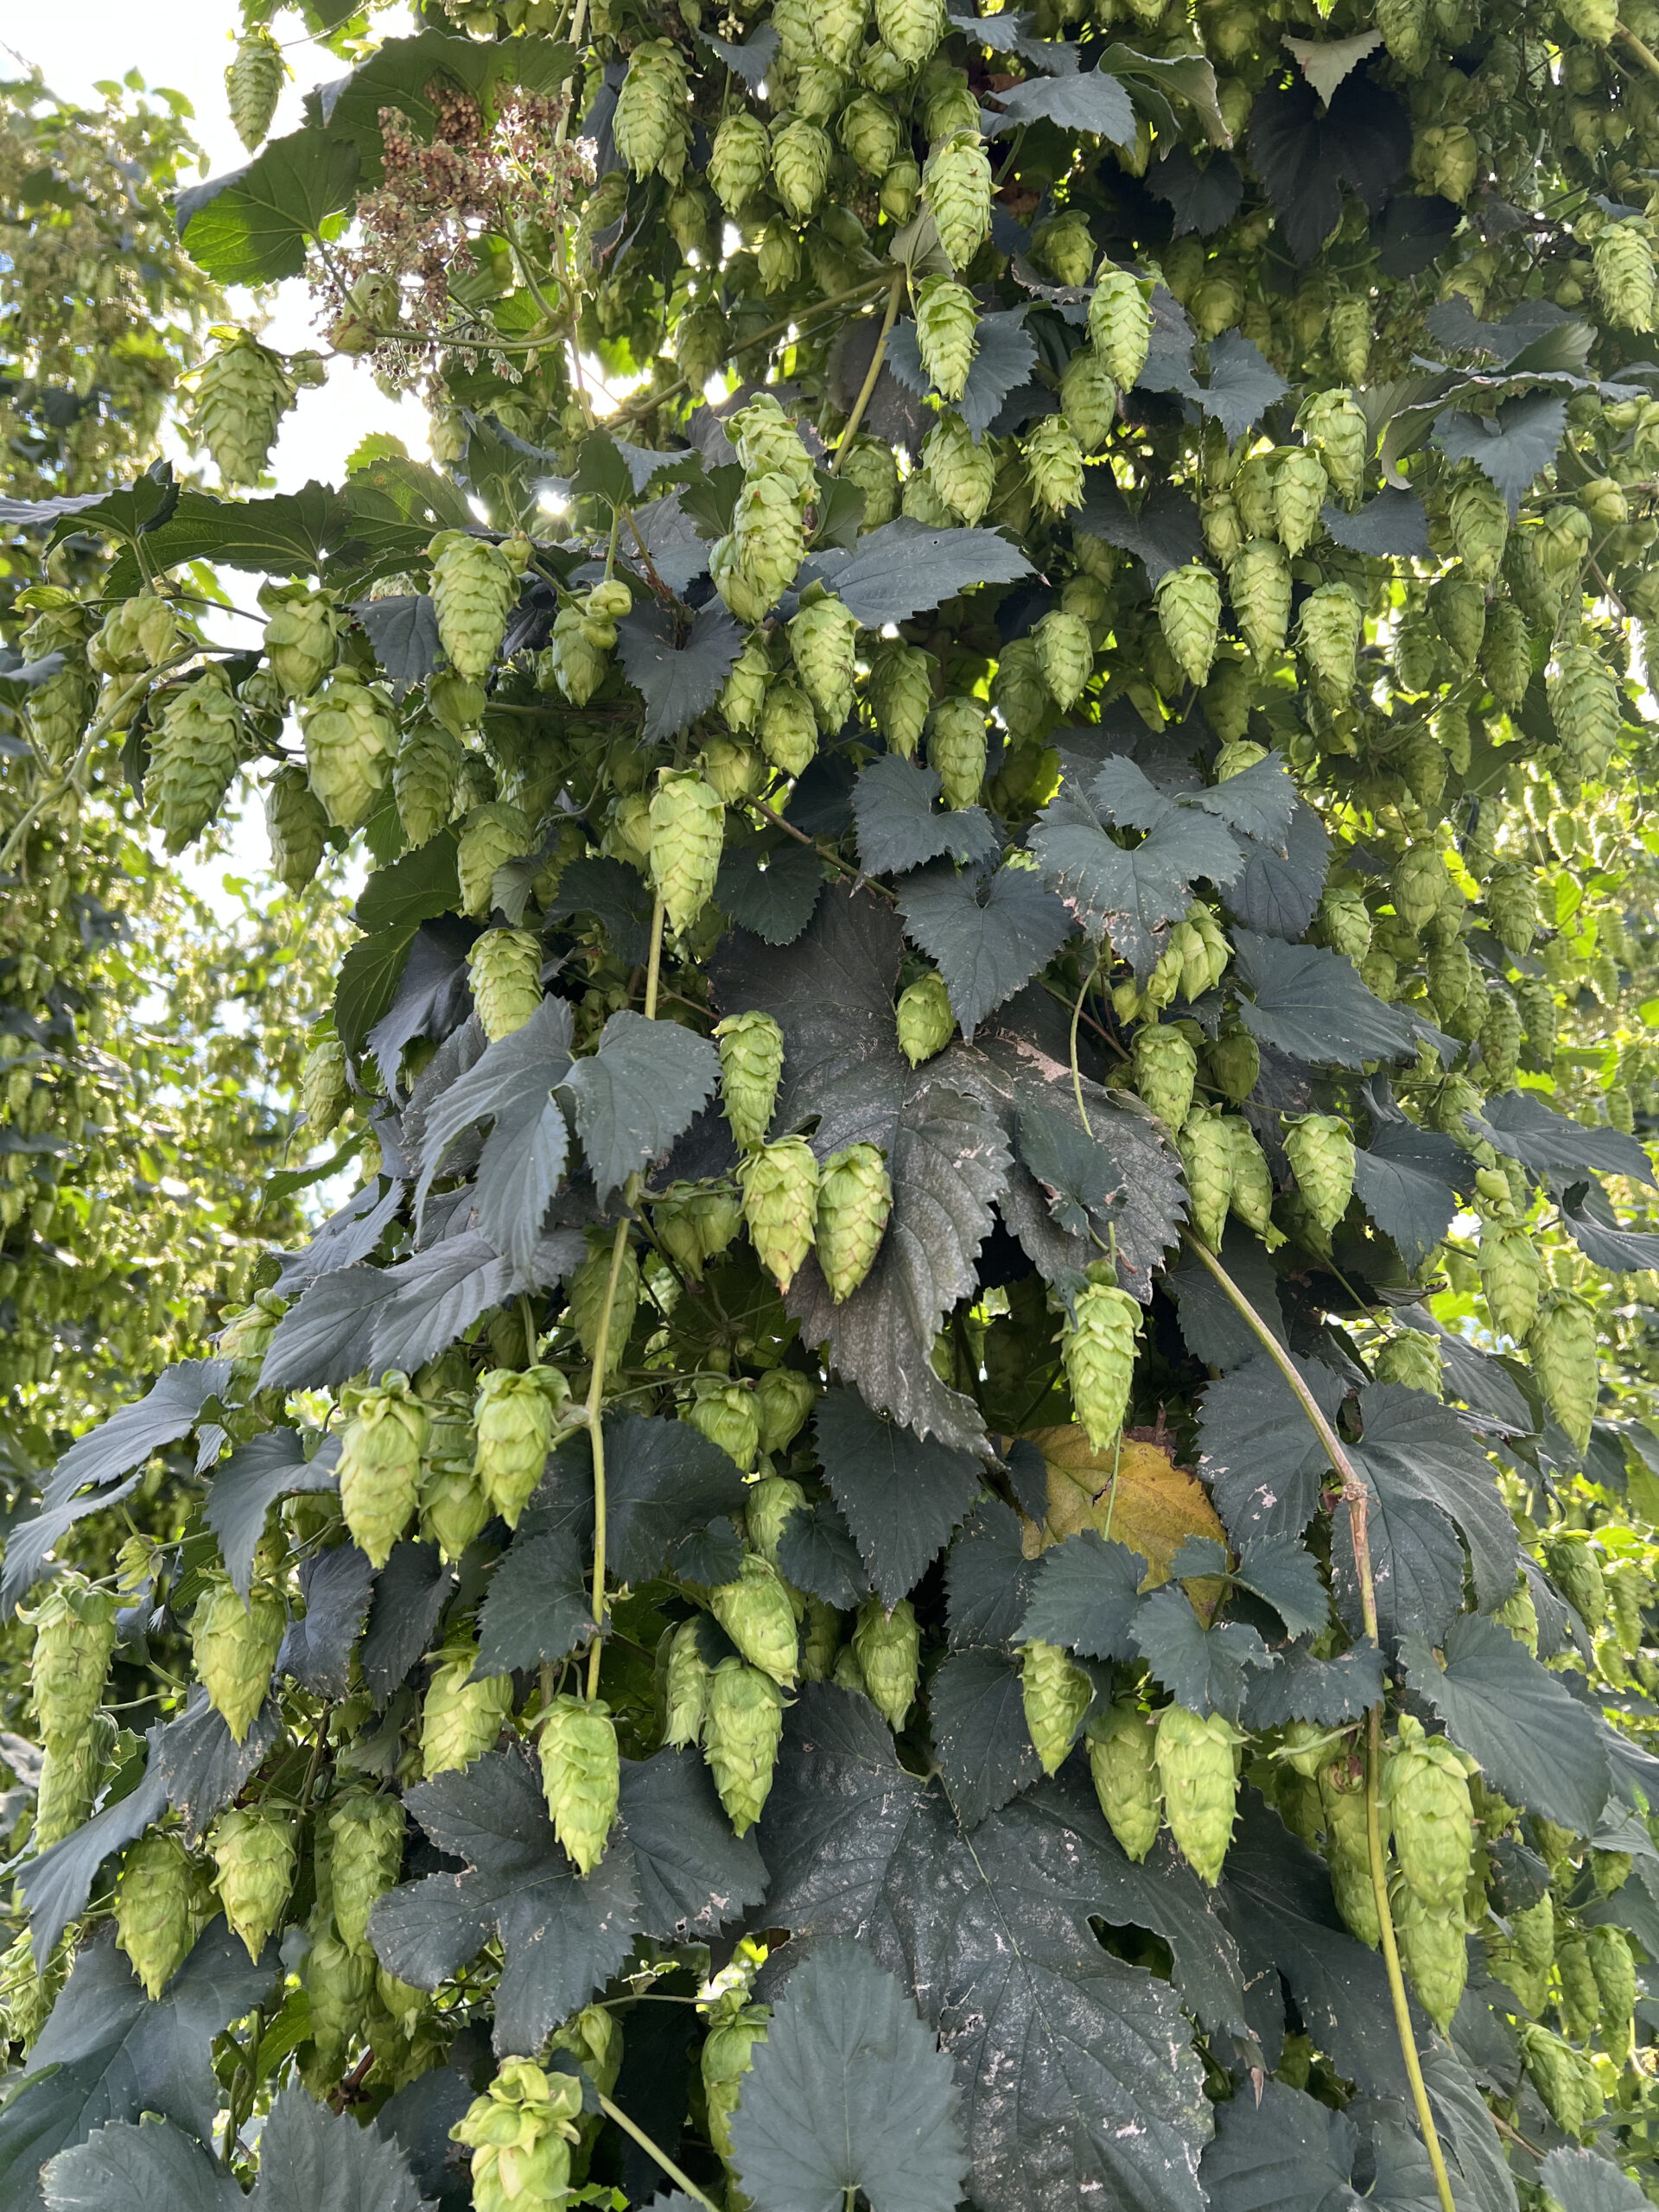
(963, 1512)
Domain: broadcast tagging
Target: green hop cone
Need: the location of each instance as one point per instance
(754, 565)
(474, 588)
(801, 155)
(1426, 1786)
(741, 1732)
(155, 1892)
(1614, 1972)
(516, 1416)
(1344, 921)
(461, 1718)
(1347, 1851)
(789, 727)
(1333, 625)
(337, 1981)
(297, 826)
(235, 1648)
(1413, 1360)
(1406, 33)
(74, 1640)
(1630, 1593)
(72, 1773)
(1555, 2072)
(253, 1854)
(686, 1686)
(1511, 1278)
(739, 160)
(820, 1641)
(874, 468)
(1500, 1039)
(491, 835)
(453, 1508)
(1584, 707)
(1579, 2001)
(725, 1414)
(821, 639)
(756, 1613)
(302, 636)
(1300, 488)
(1577, 1573)
(1206, 1153)
(854, 1199)
(910, 29)
(1512, 906)
(380, 1464)
(324, 1091)
(1020, 690)
(576, 662)
(193, 757)
(947, 323)
(1479, 517)
(887, 1646)
(241, 393)
(1335, 427)
(504, 970)
(870, 132)
(728, 2054)
(1431, 1949)
(1054, 464)
(962, 471)
(1088, 399)
(581, 1777)
(1056, 1694)
(1195, 1767)
(591, 1286)
(1561, 1346)
(926, 1020)
(425, 776)
(1098, 1347)
(1119, 323)
(253, 84)
(1250, 1196)
(780, 1195)
(744, 692)
(1189, 614)
(1123, 1763)
(768, 1507)
(1624, 275)
(348, 731)
(1166, 1068)
(365, 1833)
(1233, 1064)
(58, 710)
(783, 1400)
(1321, 1155)
(650, 119)
(901, 695)
(957, 184)
(751, 1065)
(1259, 584)
(957, 749)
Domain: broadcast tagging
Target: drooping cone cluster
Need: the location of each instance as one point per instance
(756, 563)
(520, 2132)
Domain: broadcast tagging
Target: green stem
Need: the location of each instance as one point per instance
(654, 2151)
(1644, 54)
(1077, 1072)
(1355, 1498)
(870, 375)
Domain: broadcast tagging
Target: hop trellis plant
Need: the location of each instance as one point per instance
(995, 1065)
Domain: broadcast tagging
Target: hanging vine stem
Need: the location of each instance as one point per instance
(1354, 1497)
(592, 1412)
(870, 375)
(653, 2150)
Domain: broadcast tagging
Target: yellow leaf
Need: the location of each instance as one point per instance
(1154, 1507)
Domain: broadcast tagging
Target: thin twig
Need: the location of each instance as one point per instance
(654, 2151)
(868, 387)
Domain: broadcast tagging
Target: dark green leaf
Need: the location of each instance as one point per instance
(987, 1579)
(1005, 356)
(1206, 1670)
(901, 1497)
(694, 1875)
(1513, 446)
(1129, 893)
(252, 225)
(329, 1335)
(1408, 1180)
(1311, 1004)
(1288, 1576)
(431, 996)
(1302, 1687)
(1580, 2181)
(368, 984)
(1163, 532)
(984, 1747)
(1517, 1718)
(636, 1092)
(1258, 1453)
(772, 893)
(291, 534)
(1278, 2150)
(1090, 100)
(904, 569)
(1212, 1328)
(248, 1483)
(1086, 1596)
(1278, 892)
(848, 2091)
(1204, 200)
(662, 1479)
(148, 2168)
(419, 2118)
(1259, 803)
(403, 630)
(510, 1086)
(1080, 1176)
(817, 1554)
(1394, 525)
(900, 827)
(1305, 152)
(538, 1607)
(1242, 385)
(410, 1592)
(753, 59)
(1415, 1448)
(1594, 1228)
(678, 679)
(601, 472)
(987, 935)
(417, 887)
(615, 895)
(433, 1297)
(1520, 1124)
(317, 1649)
(1417, 1569)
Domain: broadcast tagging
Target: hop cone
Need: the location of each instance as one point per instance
(910, 29)
(963, 473)
(460, 1718)
(767, 1510)
(74, 1639)
(1120, 324)
(580, 1776)
(337, 1981)
(926, 1020)
(1624, 278)
(193, 757)
(751, 1064)
(1195, 1766)
(1511, 1278)
(1166, 1068)
(801, 155)
(1098, 1346)
(947, 321)
(380, 1466)
(789, 728)
(475, 586)
(854, 1199)
(324, 1093)
(901, 695)
(235, 1648)
(1056, 1694)
(887, 1646)
(1342, 1795)
(1019, 690)
(739, 160)
(1251, 1193)
(1333, 625)
(957, 749)
(1584, 704)
(1480, 524)
(1431, 1949)
(1189, 614)
(725, 1414)
(1233, 1064)
(297, 826)
(957, 183)
(1065, 654)
(1259, 583)
(589, 1287)
(515, 1417)
(1413, 1360)
(302, 636)
(72, 1770)
(783, 1400)
(1206, 1153)
(1088, 398)
(870, 132)
(1512, 904)
(504, 968)
(348, 739)
(58, 710)
(253, 1854)
(241, 393)
(453, 1506)
(1555, 2073)
(366, 1855)
(1321, 1155)
(154, 1895)
(1506, 654)
(491, 835)
(1122, 1761)
(688, 827)
(756, 1613)
(822, 638)
(740, 1734)
(1407, 32)
(425, 776)
(1299, 489)
(1054, 462)
(746, 687)
(253, 84)
(871, 466)
(1426, 1786)
(650, 118)
(780, 1194)
(1561, 1345)
(1335, 428)
(1614, 1971)
(766, 544)
(686, 1686)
